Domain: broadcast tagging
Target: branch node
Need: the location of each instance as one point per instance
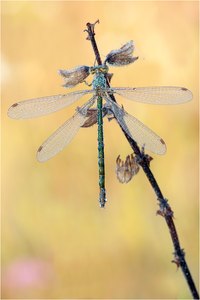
(142, 157)
(178, 258)
(90, 29)
(165, 209)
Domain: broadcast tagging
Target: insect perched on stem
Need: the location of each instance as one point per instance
(86, 115)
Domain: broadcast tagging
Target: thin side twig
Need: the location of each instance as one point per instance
(164, 207)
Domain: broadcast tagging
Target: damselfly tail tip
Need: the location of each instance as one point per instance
(102, 198)
(102, 205)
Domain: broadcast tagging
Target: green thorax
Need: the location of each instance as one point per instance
(99, 81)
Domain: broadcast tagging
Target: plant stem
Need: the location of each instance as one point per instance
(165, 209)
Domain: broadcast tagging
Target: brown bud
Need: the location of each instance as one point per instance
(122, 56)
(74, 76)
(126, 170)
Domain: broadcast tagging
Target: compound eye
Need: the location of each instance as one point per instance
(105, 69)
(92, 70)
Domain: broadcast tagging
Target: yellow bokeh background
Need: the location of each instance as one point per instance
(52, 225)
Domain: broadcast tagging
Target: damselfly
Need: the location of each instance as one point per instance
(87, 115)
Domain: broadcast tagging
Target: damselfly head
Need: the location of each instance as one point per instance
(126, 170)
(74, 76)
(99, 69)
(122, 56)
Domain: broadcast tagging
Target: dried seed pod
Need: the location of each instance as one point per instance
(109, 76)
(74, 76)
(126, 170)
(122, 56)
(92, 116)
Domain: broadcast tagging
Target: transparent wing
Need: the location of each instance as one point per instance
(137, 130)
(64, 134)
(45, 105)
(156, 95)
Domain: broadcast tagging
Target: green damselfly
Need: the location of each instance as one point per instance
(87, 114)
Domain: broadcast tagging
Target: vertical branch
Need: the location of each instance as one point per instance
(165, 209)
(91, 34)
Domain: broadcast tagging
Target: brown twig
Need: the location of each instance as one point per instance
(164, 208)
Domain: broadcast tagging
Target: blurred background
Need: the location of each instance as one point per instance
(56, 241)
